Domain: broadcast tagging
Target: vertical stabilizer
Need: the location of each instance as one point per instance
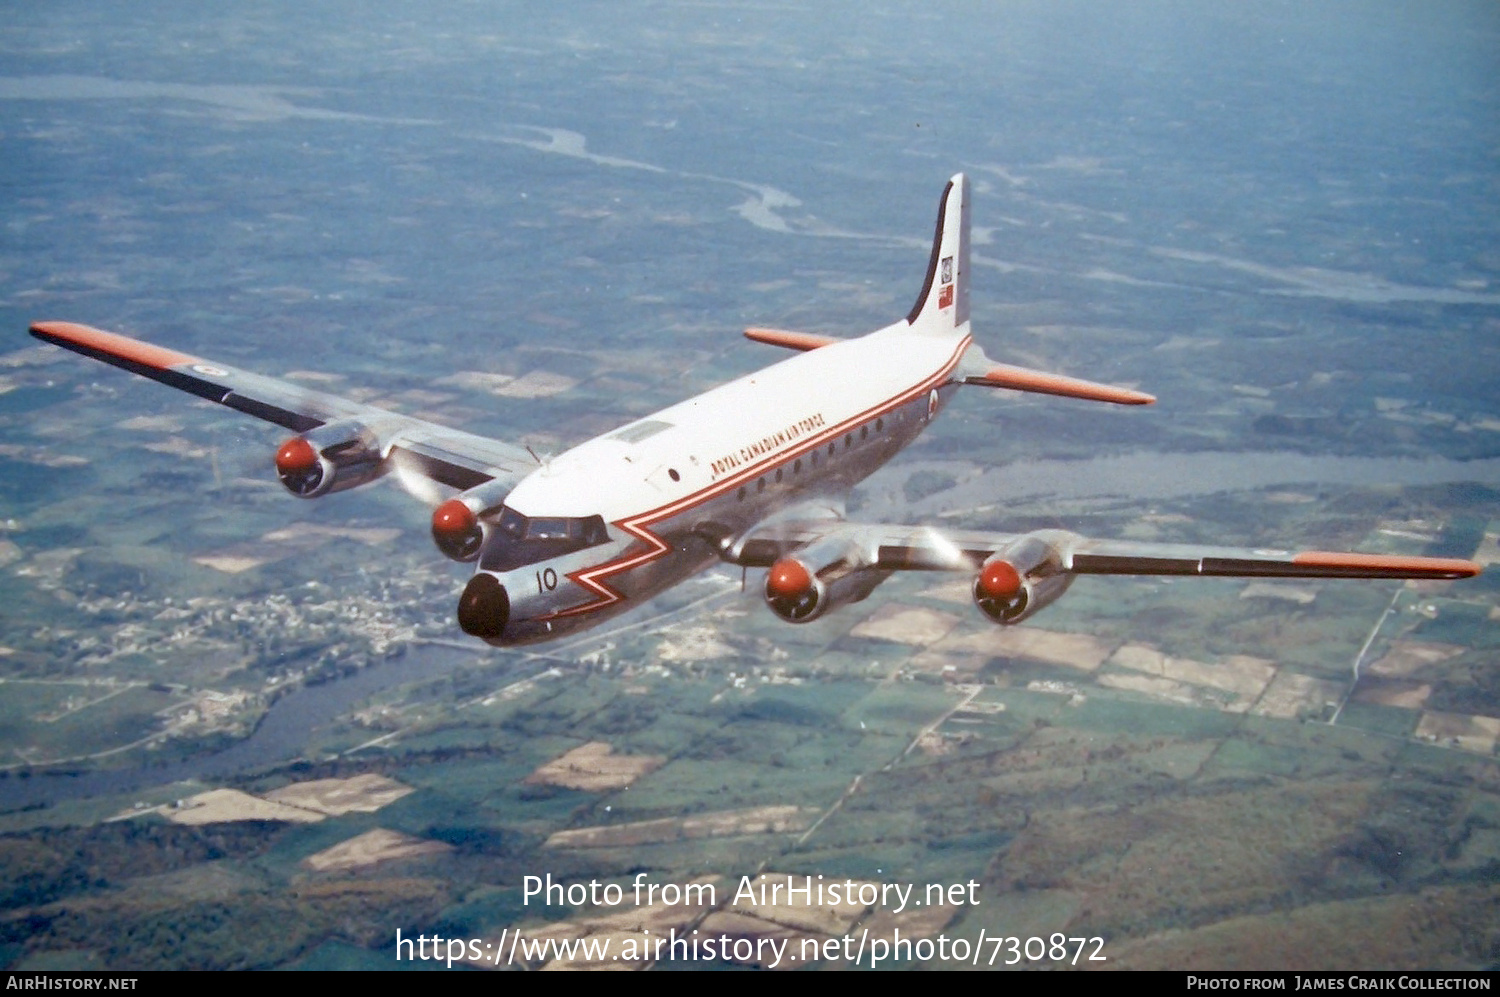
(943, 305)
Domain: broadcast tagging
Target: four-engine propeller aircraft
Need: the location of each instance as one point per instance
(753, 473)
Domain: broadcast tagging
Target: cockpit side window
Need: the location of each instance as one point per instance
(519, 540)
(547, 529)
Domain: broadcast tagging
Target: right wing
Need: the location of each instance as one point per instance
(449, 456)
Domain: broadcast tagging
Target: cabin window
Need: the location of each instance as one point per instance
(848, 440)
(672, 473)
(879, 425)
(797, 467)
(741, 496)
(778, 475)
(760, 484)
(864, 431)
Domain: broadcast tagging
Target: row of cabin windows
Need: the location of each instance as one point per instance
(864, 433)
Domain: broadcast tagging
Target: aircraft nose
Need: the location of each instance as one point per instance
(484, 608)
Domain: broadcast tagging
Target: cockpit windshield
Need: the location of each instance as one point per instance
(519, 540)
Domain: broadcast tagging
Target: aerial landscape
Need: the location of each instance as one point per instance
(239, 730)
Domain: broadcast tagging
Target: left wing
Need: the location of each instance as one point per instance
(341, 443)
(818, 564)
(927, 548)
(1119, 557)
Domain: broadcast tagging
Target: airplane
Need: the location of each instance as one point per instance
(753, 473)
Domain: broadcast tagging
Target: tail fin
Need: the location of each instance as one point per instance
(943, 305)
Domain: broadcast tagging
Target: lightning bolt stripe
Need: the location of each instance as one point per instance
(638, 526)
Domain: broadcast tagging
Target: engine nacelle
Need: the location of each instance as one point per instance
(458, 525)
(1021, 580)
(335, 456)
(821, 576)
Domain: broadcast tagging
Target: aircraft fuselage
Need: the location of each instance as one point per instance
(799, 434)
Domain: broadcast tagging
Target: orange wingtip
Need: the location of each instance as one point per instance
(111, 343)
(1395, 566)
(1021, 379)
(789, 339)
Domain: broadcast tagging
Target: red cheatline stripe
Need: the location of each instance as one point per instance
(790, 339)
(1448, 567)
(1021, 379)
(71, 333)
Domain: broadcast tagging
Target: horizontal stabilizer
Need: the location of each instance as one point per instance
(1040, 382)
(791, 340)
